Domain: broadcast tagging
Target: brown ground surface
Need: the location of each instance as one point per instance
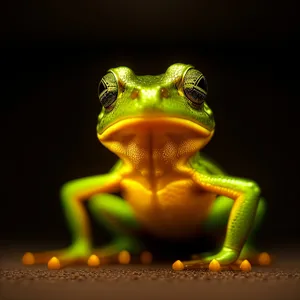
(281, 281)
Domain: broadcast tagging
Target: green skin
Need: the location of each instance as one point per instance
(241, 222)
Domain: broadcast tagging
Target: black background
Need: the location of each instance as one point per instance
(54, 53)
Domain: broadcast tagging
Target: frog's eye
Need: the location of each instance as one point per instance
(195, 87)
(108, 90)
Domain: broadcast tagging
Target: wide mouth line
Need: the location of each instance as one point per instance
(179, 120)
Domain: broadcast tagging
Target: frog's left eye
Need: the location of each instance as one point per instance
(108, 90)
(195, 87)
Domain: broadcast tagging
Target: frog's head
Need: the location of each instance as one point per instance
(168, 106)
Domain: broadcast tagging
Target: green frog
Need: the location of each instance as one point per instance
(157, 126)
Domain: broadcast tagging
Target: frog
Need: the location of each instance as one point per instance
(157, 126)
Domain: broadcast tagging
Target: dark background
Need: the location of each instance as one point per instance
(54, 53)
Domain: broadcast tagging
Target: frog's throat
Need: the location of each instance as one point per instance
(172, 137)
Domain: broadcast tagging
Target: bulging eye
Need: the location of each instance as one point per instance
(108, 90)
(195, 87)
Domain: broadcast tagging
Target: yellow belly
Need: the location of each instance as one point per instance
(176, 210)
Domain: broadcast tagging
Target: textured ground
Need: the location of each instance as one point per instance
(282, 281)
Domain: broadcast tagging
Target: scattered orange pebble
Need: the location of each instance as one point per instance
(54, 264)
(124, 257)
(146, 258)
(245, 266)
(28, 259)
(93, 261)
(214, 266)
(177, 265)
(264, 259)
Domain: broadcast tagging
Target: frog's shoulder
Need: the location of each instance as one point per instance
(204, 163)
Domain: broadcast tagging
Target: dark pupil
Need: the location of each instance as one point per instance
(202, 84)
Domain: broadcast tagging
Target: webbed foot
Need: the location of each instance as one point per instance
(56, 259)
(119, 251)
(253, 256)
(223, 259)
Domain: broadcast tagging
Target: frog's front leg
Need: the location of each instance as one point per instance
(245, 194)
(217, 221)
(73, 194)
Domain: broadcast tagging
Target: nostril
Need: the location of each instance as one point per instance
(134, 94)
(164, 93)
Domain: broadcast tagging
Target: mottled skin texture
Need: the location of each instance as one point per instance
(157, 126)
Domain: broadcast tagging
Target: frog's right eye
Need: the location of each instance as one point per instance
(108, 90)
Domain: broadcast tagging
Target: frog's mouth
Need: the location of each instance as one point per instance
(155, 124)
(148, 141)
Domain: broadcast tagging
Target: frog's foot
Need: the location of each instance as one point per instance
(57, 259)
(250, 254)
(119, 251)
(214, 265)
(225, 259)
